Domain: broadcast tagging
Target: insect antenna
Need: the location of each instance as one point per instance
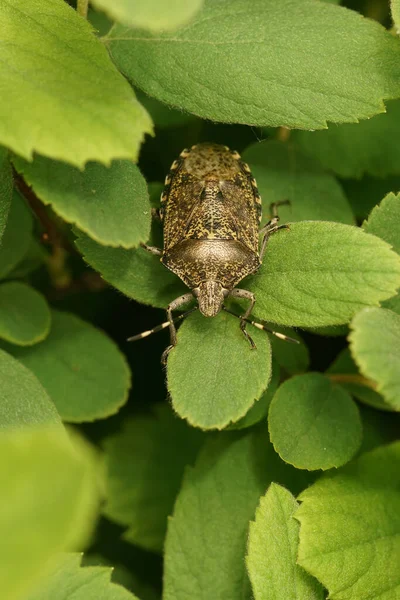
(281, 336)
(160, 327)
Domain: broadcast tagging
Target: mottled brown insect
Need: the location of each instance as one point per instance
(211, 212)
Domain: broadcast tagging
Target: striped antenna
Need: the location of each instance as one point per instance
(281, 336)
(139, 336)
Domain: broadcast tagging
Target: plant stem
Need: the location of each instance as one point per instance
(352, 378)
(82, 8)
(283, 134)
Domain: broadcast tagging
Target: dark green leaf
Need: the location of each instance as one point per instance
(136, 273)
(82, 370)
(350, 525)
(17, 235)
(24, 314)
(284, 173)
(61, 99)
(145, 464)
(6, 185)
(214, 377)
(314, 424)
(292, 63)
(110, 204)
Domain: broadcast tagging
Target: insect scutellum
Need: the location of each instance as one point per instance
(211, 214)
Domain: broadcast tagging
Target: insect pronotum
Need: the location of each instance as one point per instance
(211, 214)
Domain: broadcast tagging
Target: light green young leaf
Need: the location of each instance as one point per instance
(80, 108)
(272, 551)
(135, 272)
(24, 314)
(375, 346)
(6, 186)
(214, 377)
(350, 150)
(110, 204)
(145, 463)
(284, 173)
(345, 372)
(83, 371)
(313, 423)
(24, 402)
(259, 411)
(353, 545)
(155, 15)
(292, 63)
(384, 221)
(321, 273)
(48, 504)
(395, 8)
(69, 581)
(206, 538)
(17, 235)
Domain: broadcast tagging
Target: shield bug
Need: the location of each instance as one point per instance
(211, 213)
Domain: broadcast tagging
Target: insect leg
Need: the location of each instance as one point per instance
(177, 303)
(259, 325)
(239, 293)
(273, 207)
(152, 249)
(268, 231)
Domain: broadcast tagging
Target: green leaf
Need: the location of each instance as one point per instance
(80, 108)
(24, 402)
(350, 150)
(136, 273)
(375, 346)
(322, 273)
(259, 411)
(82, 369)
(345, 372)
(313, 423)
(214, 377)
(17, 235)
(145, 463)
(110, 204)
(6, 186)
(363, 194)
(24, 314)
(272, 551)
(206, 538)
(155, 15)
(293, 358)
(34, 258)
(48, 504)
(163, 116)
(395, 8)
(69, 580)
(384, 221)
(350, 526)
(284, 173)
(290, 63)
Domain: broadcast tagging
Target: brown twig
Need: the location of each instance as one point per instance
(352, 378)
